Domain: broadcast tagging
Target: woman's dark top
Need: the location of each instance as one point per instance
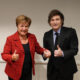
(27, 66)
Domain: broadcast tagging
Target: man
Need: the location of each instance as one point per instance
(63, 44)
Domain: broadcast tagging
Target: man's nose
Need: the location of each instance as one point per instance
(55, 21)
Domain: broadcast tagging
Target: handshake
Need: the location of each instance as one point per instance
(47, 53)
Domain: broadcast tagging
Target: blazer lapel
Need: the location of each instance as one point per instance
(31, 45)
(30, 42)
(18, 42)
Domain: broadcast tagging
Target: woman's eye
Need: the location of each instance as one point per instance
(26, 26)
(22, 26)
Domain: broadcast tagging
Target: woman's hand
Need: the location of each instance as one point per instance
(15, 56)
(47, 53)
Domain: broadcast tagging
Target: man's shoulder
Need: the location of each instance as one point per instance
(64, 28)
(68, 28)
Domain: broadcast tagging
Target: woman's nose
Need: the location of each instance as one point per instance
(24, 28)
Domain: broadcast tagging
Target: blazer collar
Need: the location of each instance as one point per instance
(18, 42)
(16, 36)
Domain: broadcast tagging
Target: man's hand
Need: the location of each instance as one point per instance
(47, 53)
(15, 56)
(58, 52)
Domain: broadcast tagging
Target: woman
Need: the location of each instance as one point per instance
(19, 51)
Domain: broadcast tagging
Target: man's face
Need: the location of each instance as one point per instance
(55, 22)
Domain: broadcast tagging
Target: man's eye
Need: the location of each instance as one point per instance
(57, 19)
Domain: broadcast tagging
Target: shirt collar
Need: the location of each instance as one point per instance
(57, 31)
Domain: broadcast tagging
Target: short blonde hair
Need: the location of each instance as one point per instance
(21, 18)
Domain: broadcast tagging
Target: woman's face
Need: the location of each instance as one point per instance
(22, 28)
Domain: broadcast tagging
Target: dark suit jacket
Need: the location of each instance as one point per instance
(68, 42)
(14, 69)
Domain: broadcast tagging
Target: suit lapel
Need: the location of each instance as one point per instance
(62, 36)
(51, 40)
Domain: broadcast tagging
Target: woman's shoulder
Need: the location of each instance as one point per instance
(12, 36)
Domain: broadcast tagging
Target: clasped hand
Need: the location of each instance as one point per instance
(47, 53)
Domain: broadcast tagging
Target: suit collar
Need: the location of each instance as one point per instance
(62, 33)
(59, 30)
(61, 37)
